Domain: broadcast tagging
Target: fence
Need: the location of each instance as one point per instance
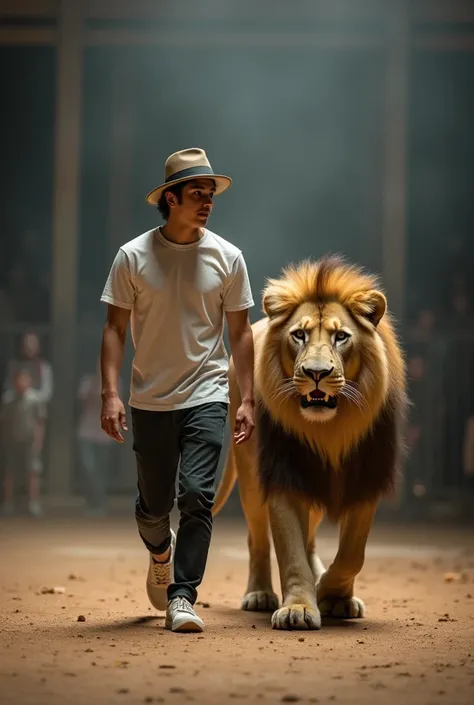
(441, 387)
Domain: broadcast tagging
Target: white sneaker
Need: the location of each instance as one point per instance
(160, 576)
(181, 617)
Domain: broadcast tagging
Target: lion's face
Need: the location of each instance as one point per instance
(320, 352)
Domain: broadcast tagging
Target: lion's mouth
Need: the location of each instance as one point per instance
(320, 399)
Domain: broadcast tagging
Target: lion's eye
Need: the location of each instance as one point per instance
(341, 335)
(299, 334)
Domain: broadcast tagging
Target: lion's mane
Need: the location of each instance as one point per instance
(356, 456)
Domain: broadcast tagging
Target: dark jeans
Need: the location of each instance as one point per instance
(162, 440)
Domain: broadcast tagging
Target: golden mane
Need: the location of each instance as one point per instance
(382, 375)
(328, 279)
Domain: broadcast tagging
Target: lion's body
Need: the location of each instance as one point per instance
(310, 456)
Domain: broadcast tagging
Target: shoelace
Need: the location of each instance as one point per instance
(161, 572)
(183, 605)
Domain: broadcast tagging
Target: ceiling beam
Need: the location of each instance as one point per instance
(29, 8)
(206, 38)
(344, 10)
(341, 11)
(26, 36)
(442, 11)
(45, 36)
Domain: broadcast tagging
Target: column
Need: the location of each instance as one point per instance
(121, 157)
(395, 176)
(120, 227)
(65, 238)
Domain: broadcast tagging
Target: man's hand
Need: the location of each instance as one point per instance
(113, 417)
(244, 422)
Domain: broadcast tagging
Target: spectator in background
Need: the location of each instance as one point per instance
(415, 430)
(459, 317)
(21, 418)
(41, 374)
(94, 444)
(423, 328)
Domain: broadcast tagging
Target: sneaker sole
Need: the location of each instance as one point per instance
(186, 626)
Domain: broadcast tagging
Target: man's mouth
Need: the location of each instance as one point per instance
(318, 399)
(203, 214)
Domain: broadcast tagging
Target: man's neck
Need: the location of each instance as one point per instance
(181, 235)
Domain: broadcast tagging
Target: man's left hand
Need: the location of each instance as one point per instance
(244, 422)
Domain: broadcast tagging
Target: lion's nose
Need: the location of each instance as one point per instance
(317, 372)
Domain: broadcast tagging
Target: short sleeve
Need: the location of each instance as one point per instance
(119, 289)
(238, 293)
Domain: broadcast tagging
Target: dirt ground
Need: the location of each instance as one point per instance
(98, 641)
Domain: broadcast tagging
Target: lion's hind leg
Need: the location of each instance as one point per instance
(259, 595)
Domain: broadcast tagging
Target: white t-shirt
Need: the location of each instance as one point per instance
(178, 295)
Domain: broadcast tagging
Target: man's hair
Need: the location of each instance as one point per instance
(163, 207)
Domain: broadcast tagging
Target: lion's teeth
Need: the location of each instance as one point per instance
(308, 397)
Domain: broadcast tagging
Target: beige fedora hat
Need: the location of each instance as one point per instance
(185, 165)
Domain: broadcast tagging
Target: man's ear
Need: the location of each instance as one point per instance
(369, 305)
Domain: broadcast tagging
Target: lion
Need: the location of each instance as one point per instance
(330, 404)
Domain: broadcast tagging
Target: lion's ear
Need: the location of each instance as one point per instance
(275, 305)
(370, 305)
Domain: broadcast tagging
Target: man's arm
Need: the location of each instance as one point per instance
(242, 349)
(111, 356)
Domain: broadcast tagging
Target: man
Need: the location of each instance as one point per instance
(177, 282)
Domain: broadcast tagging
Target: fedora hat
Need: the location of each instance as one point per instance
(186, 165)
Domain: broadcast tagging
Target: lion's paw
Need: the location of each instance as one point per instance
(342, 607)
(260, 601)
(296, 617)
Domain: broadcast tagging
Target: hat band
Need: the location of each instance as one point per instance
(191, 171)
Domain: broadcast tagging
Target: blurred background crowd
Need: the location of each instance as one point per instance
(308, 107)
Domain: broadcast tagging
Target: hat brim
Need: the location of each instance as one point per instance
(222, 184)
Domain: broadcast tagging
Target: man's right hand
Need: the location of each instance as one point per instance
(113, 417)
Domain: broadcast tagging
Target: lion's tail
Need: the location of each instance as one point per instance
(226, 484)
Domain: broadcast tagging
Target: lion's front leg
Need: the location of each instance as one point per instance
(335, 589)
(289, 523)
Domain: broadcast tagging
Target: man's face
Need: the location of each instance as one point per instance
(31, 345)
(195, 205)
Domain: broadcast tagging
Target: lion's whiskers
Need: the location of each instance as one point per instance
(285, 390)
(351, 392)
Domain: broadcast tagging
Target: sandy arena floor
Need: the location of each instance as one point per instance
(416, 644)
